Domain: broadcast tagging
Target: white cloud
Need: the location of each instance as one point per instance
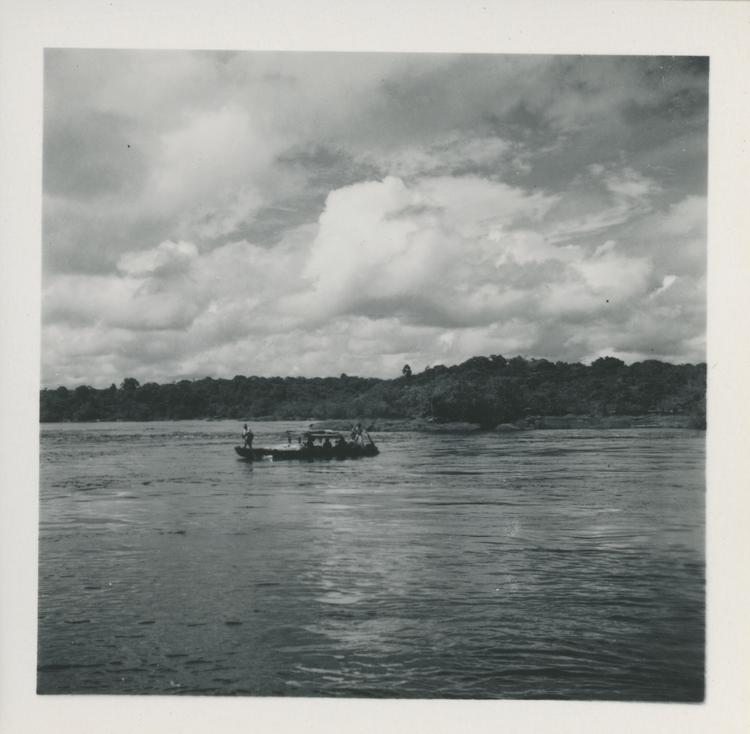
(432, 246)
(614, 276)
(631, 185)
(233, 212)
(667, 282)
(608, 246)
(448, 153)
(214, 174)
(675, 237)
(525, 246)
(233, 289)
(168, 258)
(604, 199)
(687, 216)
(128, 303)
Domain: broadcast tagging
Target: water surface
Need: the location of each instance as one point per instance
(541, 564)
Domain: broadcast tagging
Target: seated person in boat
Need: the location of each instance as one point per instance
(310, 442)
(327, 443)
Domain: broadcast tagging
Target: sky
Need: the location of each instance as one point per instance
(219, 213)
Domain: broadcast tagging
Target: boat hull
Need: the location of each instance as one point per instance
(308, 453)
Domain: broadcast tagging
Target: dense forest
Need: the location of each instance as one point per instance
(484, 390)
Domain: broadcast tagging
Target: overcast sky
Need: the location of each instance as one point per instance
(214, 214)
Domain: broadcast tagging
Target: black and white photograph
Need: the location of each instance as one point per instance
(373, 375)
(376, 374)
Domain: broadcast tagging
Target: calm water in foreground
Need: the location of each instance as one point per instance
(547, 564)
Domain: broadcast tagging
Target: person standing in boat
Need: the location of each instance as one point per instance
(247, 437)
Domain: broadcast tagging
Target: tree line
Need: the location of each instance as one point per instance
(483, 390)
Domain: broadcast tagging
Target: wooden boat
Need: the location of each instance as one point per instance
(315, 445)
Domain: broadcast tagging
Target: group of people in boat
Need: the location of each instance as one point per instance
(326, 442)
(358, 434)
(357, 438)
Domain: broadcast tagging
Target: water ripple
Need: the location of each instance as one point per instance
(562, 564)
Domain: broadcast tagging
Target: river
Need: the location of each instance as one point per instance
(559, 564)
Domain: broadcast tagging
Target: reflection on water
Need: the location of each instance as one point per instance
(548, 564)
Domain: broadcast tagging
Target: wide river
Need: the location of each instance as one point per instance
(537, 564)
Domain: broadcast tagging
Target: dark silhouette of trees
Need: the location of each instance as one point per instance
(482, 390)
(607, 364)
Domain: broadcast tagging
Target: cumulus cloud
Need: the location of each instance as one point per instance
(223, 213)
(427, 252)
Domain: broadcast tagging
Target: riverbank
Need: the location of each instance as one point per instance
(523, 424)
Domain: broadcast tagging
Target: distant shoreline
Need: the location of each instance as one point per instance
(423, 425)
(530, 423)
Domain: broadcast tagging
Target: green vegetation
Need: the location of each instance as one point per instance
(483, 390)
